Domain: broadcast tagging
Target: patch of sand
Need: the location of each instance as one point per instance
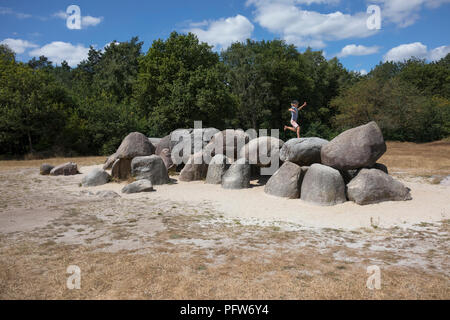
(431, 203)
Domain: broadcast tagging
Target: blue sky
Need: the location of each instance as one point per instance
(338, 27)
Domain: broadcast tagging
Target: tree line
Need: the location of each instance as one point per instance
(87, 110)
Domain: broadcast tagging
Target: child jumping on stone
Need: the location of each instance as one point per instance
(294, 116)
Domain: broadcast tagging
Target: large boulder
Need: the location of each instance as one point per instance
(138, 186)
(164, 143)
(373, 186)
(45, 169)
(110, 161)
(359, 147)
(121, 169)
(348, 175)
(302, 151)
(154, 141)
(261, 151)
(217, 167)
(135, 145)
(323, 185)
(96, 177)
(237, 176)
(151, 168)
(286, 182)
(195, 169)
(166, 157)
(66, 169)
(228, 142)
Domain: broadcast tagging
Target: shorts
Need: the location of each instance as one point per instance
(294, 124)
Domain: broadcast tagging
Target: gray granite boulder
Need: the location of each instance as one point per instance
(143, 185)
(66, 169)
(150, 168)
(110, 161)
(135, 145)
(323, 185)
(286, 181)
(164, 143)
(96, 177)
(356, 148)
(302, 151)
(237, 176)
(373, 186)
(216, 169)
(195, 168)
(45, 169)
(166, 157)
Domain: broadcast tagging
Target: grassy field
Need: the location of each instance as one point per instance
(139, 248)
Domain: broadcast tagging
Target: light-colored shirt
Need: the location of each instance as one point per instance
(294, 115)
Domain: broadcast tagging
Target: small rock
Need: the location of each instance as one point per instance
(66, 169)
(45, 169)
(96, 177)
(143, 185)
(446, 181)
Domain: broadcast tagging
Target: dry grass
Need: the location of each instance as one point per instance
(424, 159)
(80, 161)
(39, 272)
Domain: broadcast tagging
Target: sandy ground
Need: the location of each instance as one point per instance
(199, 241)
(431, 203)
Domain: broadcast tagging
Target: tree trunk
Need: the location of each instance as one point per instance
(30, 144)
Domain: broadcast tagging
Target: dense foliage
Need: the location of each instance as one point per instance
(52, 110)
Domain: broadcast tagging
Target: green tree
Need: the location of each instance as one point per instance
(181, 80)
(117, 69)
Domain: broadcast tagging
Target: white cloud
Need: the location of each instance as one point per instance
(9, 11)
(223, 32)
(415, 50)
(363, 72)
(59, 51)
(438, 53)
(357, 50)
(86, 21)
(406, 12)
(309, 28)
(19, 46)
